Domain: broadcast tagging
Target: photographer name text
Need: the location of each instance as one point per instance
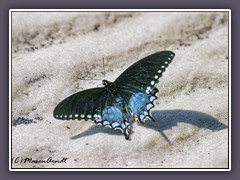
(21, 160)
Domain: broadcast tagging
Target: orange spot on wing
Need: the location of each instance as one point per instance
(135, 117)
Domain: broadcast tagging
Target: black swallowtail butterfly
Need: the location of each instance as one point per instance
(118, 104)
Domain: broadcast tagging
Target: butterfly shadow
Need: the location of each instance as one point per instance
(165, 120)
(98, 129)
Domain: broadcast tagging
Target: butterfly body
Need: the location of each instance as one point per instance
(118, 104)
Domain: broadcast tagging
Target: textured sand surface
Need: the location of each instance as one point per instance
(53, 52)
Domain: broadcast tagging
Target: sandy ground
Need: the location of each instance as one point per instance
(53, 52)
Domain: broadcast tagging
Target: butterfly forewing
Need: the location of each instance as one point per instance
(96, 104)
(82, 105)
(144, 74)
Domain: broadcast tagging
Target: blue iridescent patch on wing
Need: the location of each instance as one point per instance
(141, 104)
(112, 117)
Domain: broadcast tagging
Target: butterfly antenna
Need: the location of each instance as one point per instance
(104, 68)
(88, 79)
(86, 68)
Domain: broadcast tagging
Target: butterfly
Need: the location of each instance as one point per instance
(118, 104)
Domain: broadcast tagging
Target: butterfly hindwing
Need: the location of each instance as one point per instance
(141, 105)
(114, 118)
